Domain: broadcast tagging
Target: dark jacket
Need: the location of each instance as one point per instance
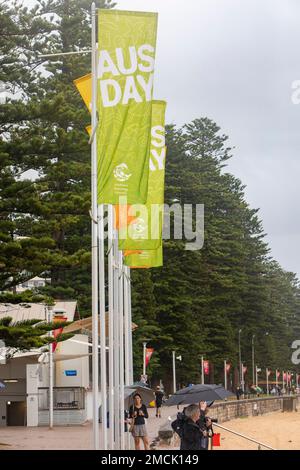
(191, 436)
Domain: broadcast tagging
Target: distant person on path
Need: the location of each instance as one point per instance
(138, 413)
(238, 392)
(158, 401)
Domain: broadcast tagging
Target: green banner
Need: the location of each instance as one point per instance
(145, 259)
(145, 230)
(125, 70)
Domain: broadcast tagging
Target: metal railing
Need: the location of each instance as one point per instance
(260, 444)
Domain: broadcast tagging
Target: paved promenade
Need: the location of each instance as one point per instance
(65, 437)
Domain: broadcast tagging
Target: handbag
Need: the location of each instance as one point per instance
(131, 427)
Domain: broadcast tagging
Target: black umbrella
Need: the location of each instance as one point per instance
(197, 393)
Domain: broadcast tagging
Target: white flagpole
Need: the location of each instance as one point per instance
(126, 326)
(51, 381)
(116, 343)
(94, 241)
(102, 326)
(111, 325)
(121, 349)
(130, 329)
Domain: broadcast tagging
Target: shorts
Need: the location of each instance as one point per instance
(139, 430)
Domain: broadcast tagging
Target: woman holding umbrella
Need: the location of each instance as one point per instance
(138, 413)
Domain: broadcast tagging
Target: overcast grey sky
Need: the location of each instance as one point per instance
(235, 61)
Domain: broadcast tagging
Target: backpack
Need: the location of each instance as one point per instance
(178, 424)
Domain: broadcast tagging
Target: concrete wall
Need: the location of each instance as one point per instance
(63, 417)
(227, 411)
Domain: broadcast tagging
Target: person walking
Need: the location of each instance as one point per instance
(158, 401)
(238, 392)
(138, 413)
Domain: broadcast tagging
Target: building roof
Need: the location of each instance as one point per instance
(36, 311)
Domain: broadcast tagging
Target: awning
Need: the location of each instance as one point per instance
(85, 325)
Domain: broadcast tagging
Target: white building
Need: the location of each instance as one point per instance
(24, 379)
(34, 283)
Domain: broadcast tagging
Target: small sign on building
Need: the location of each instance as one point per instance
(70, 373)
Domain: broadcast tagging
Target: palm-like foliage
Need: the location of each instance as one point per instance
(29, 334)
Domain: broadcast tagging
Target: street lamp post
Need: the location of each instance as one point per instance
(174, 372)
(225, 374)
(253, 361)
(240, 360)
(174, 369)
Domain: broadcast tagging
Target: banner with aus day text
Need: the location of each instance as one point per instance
(125, 71)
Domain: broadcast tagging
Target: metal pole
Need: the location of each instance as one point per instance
(144, 358)
(126, 336)
(102, 325)
(130, 344)
(130, 328)
(225, 375)
(121, 350)
(126, 326)
(111, 327)
(94, 241)
(50, 318)
(256, 376)
(202, 370)
(240, 357)
(253, 360)
(276, 379)
(174, 371)
(283, 379)
(267, 380)
(116, 343)
(242, 381)
(243, 436)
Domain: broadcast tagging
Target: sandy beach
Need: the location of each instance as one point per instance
(278, 430)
